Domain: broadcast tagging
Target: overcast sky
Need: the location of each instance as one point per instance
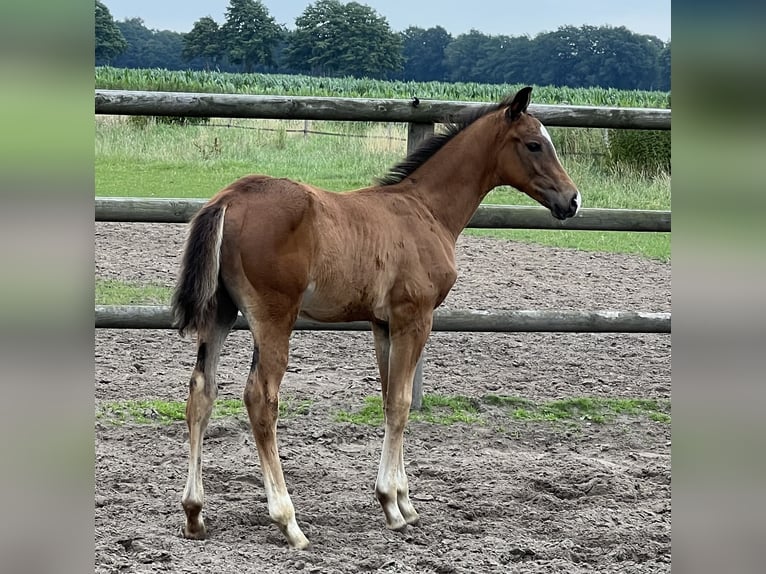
(487, 16)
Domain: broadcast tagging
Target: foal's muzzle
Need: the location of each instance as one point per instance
(566, 210)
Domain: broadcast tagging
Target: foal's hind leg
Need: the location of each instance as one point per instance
(202, 393)
(398, 351)
(262, 401)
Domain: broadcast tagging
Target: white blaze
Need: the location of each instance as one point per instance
(547, 136)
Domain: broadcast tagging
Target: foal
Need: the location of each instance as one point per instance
(274, 249)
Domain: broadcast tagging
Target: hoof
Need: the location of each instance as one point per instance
(408, 511)
(413, 520)
(397, 526)
(300, 544)
(195, 533)
(295, 537)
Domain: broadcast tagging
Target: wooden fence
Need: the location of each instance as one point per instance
(142, 210)
(417, 111)
(421, 115)
(550, 321)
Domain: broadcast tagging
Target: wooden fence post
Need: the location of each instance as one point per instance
(417, 384)
(416, 134)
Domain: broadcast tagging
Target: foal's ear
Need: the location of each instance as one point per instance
(519, 104)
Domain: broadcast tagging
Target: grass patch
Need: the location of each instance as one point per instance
(437, 409)
(371, 413)
(660, 417)
(645, 244)
(447, 410)
(110, 292)
(167, 412)
(444, 410)
(506, 401)
(598, 410)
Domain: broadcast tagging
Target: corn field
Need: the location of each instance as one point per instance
(109, 78)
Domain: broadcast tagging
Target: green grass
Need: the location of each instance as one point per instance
(444, 410)
(160, 160)
(111, 292)
(437, 409)
(598, 410)
(649, 245)
(506, 401)
(166, 412)
(371, 413)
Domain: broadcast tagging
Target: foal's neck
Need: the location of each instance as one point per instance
(455, 180)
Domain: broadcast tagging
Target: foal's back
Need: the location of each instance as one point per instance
(348, 255)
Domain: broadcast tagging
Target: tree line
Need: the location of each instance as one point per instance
(332, 38)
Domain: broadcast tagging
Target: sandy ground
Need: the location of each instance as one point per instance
(501, 496)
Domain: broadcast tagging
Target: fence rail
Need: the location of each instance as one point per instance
(141, 210)
(553, 321)
(422, 111)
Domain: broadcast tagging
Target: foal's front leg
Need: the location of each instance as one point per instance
(404, 344)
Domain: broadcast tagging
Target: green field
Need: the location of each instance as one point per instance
(297, 85)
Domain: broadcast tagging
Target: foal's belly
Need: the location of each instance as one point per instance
(340, 306)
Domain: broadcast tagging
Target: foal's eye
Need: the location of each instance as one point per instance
(534, 146)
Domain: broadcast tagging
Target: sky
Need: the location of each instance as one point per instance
(487, 16)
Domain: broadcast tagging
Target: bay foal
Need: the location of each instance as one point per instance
(274, 249)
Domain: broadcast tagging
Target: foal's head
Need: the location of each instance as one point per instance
(528, 161)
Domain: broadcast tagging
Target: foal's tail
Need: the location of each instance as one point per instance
(195, 297)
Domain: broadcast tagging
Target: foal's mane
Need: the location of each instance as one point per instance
(429, 147)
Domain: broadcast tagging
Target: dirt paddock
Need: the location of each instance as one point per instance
(500, 496)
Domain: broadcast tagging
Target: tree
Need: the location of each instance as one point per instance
(109, 40)
(663, 68)
(137, 36)
(477, 57)
(204, 41)
(630, 61)
(150, 48)
(163, 50)
(250, 34)
(597, 56)
(463, 57)
(343, 39)
(423, 52)
(505, 59)
(559, 54)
